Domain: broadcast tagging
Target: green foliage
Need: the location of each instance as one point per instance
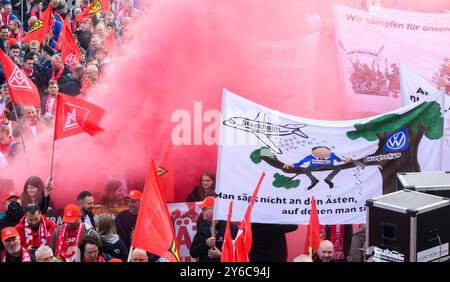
(427, 114)
(255, 156)
(282, 181)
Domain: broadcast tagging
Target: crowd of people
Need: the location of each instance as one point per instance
(43, 64)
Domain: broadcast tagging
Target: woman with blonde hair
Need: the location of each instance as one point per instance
(113, 247)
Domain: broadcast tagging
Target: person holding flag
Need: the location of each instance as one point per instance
(154, 221)
(206, 246)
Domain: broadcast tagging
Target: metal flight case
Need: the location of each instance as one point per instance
(435, 183)
(413, 226)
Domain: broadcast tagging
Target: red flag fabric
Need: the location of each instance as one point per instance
(70, 51)
(21, 88)
(243, 241)
(41, 27)
(166, 172)
(154, 230)
(75, 116)
(227, 247)
(110, 41)
(313, 232)
(97, 6)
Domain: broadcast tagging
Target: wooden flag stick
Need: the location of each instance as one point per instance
(51, 165)
(129, 254)
(213, 232)
(21, 138)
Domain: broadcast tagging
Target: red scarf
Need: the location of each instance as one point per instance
(337, 238)
(28, 73)
(6, 18)
(33, 13)
(28, 132)
(62, 244)
(24, 257)
(50, 106)
(58, 75)
(100, 259)
(43, 238)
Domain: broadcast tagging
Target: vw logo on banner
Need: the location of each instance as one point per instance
(397, 141)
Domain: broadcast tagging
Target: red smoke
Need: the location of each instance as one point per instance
(185, 52)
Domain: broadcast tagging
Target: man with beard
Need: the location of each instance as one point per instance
(13, 252)
(35, 229)
(48, 104)
(126, 220)
(86, 204)
(66, 237)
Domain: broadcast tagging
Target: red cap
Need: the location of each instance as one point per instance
(71, 213)
(10, 195)
(134, 195)
(208, 202)
(11, 41)
(9, 232)
(115, 260)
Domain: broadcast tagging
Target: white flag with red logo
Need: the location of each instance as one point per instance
(74, 116)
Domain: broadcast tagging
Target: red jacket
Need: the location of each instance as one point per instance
(33, 236)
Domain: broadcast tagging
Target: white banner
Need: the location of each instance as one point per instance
(414, 88)
(370, 46)
(340, 163)
(184, 217)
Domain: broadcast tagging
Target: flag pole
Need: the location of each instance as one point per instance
(129, 254)
(53, 153)
(21, 137)
(213, 232)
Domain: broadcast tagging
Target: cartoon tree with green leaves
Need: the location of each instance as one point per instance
(426, 119)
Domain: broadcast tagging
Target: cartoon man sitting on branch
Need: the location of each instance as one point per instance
(320, 156)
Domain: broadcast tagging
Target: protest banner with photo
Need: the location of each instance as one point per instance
(340, 163)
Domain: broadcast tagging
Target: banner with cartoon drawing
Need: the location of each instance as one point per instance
(184, 217)
(340, 163)
(370, 45)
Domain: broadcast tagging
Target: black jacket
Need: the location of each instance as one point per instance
(114, 247)
(125, 222)
(199, 249)
(269, 242)
(67, 83)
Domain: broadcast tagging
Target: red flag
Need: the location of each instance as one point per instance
(110, 41)
(166, 172)
(70, 51)
(243, 241)
(313, 233)
(97, 6)
(154, 231)
(41, 27)
(227, 247)
(74, 116)
(21, 88)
